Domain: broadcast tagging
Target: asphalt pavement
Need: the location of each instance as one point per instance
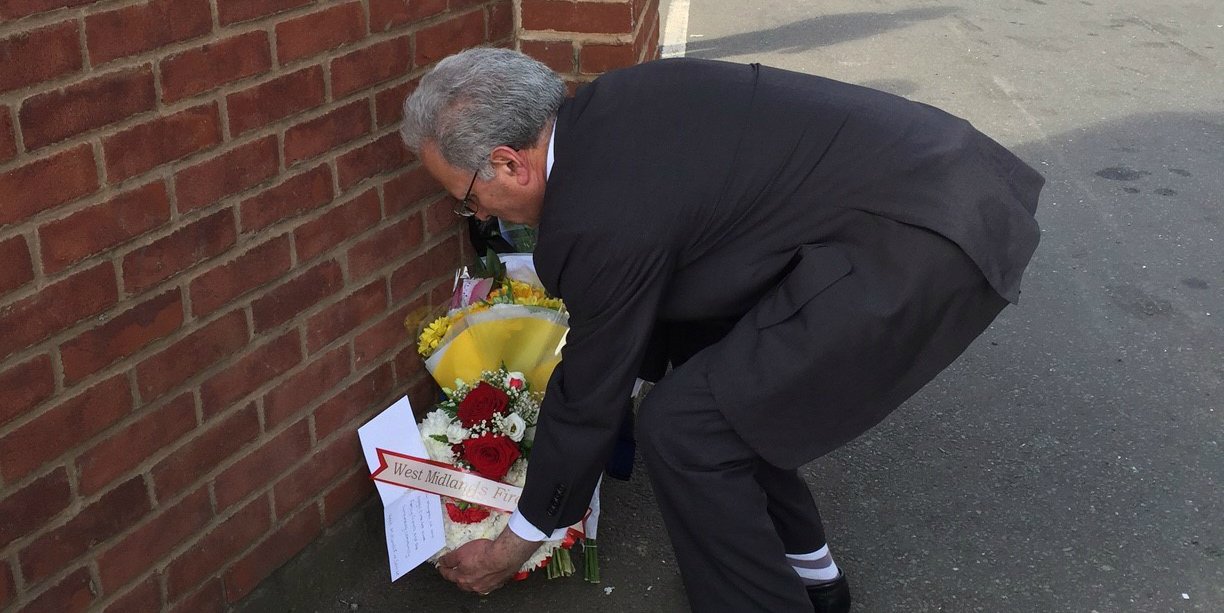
(1071, 460)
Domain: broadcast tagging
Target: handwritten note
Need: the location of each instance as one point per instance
(413, 518)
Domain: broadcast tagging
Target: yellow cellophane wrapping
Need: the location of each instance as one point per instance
(526, 339)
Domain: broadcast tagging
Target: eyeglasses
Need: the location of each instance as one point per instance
(463, 208)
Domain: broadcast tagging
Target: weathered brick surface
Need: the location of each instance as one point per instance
(115, 511)
(123, 335)
(56, 307)
(276, 99)
(103, 226)
(170, 255)
(261, 467)
(154, 538)
(46, 183)
(31, 506)
(165, 139)
(71, 422)
(43, 54)
(211, 237)
(226, 174)
(321, 31)
(214, 64)
(18, 266)
(143, 27)
(298, 194)
(161, 372)
(121, 452)
(221, 285)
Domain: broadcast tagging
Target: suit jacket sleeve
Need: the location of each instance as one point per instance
(612, 285)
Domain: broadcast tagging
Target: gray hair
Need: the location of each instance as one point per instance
(479, 99)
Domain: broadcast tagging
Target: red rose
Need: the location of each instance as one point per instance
(471, 515)
(481, 404)
(490, 455)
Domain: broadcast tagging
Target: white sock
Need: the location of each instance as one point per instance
(816, 567)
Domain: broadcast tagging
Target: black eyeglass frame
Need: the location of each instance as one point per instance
(462, 208)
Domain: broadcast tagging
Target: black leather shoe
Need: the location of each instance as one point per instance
(831, 597)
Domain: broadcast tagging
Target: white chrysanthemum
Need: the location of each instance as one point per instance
(456, 433)
(512, 425)
(435, 423)
(439, 451)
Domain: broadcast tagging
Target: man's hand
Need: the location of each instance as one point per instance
(482, 566)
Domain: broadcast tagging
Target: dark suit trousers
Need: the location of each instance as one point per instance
(730, 515)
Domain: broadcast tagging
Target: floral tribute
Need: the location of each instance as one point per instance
(486, 427)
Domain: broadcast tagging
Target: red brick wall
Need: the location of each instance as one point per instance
(209, 237)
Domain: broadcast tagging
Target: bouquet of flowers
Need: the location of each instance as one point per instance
(486, 427)
(500, 316)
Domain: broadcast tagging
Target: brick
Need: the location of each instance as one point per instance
(422, 391)
(162, 140)
(144, 597)
(260, 468)
(56, 307)
(383, 155)
(214, 64)
(374, 64)
(320, 31)
(307, 191)
(144, 27)
(234, 11)
(255, 268)
(449, 37)
(54, 116)
(346, 496)
(355, 401)
(229, 173)
(296, 295)
(347, 314)
(440, 217)
(426, 269)
(501, 21)
(558, 55)
(123, 335)
(56, 431)
(8, 588)
(196, 352)
(586, 17)
(380, 338)
(42, 54)
(388, 14)
(24, 386)
(408, 189)
(598, 59)
(282, 544)
(389, 103)
(104, 226)
(114, 512)
(263, 364)
(323, 466)
(311, 138)
(47, 183)
(210, 598)
(304, 387)
(73, 593)
(14, 9)
(185, 465)
(211, 552)
(30, 508)
(18, 267)
(121, 452)
(274, 100)
(337, 225)
(168, 256)
(370, 255)
(8, 135)
(144, 546)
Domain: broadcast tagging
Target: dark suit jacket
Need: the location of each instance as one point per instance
(683, 190)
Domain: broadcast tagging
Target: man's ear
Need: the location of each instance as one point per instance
(512, 162)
